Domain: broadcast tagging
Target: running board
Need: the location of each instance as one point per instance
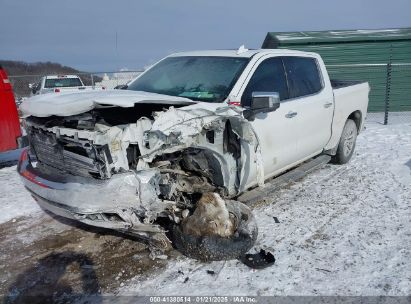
(257, 194)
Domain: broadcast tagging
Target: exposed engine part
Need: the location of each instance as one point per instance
(194, 184)
(185, 213)
(203, 163)
(231, 142)
(133, 153)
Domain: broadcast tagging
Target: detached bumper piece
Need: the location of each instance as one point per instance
(113, 203)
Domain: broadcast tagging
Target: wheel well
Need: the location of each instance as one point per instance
(356, 116)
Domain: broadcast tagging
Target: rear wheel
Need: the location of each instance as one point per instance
(346, 145)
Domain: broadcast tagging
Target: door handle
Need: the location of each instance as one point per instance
(328, 104)
(291, 114)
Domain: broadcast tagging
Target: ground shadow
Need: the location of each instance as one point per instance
(94, 229)
(165, 223)
(64, 277)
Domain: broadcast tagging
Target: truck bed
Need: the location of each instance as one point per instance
(337, 84)
(349, 96)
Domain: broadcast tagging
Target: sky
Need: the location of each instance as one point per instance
(82, 33)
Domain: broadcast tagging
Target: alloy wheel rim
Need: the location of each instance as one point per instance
(349, 142)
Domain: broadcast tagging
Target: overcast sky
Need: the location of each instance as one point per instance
(82, 33)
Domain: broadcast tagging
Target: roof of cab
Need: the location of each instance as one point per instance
(61, 76)
(236, 53)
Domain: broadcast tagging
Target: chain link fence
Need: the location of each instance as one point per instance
(390, 95)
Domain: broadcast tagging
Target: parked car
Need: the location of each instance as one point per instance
(60, 84)
(184, 140)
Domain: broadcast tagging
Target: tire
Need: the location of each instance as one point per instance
(216, 248)
(346, 145)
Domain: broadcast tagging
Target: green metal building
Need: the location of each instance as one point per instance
(381, 57)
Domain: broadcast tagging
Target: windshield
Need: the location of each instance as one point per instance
(198, 78)
(62, 82)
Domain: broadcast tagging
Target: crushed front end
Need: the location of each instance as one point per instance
(127, 172)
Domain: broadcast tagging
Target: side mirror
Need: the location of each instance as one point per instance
(262, 102)
(34, 87)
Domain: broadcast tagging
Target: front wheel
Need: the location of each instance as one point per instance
(346, 145)
(216, 248)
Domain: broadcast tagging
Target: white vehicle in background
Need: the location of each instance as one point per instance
(60, 84)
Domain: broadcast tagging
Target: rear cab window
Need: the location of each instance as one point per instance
(303, 76)
(62, 82)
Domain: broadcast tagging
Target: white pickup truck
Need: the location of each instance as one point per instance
(60, 84)
(184, 140)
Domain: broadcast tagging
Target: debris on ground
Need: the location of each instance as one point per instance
(260, 260)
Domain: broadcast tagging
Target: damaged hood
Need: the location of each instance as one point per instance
(67, 104)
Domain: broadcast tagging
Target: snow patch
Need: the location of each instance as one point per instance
(15, 200)
(344, 230)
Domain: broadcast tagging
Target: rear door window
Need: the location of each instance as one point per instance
(62, 82)
(268, 77)
(303, 76)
